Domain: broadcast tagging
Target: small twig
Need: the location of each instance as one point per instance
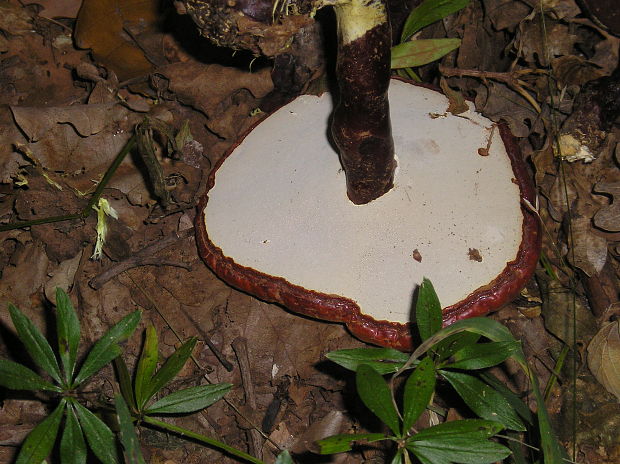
(143, 257)
(240, 346)
(214, 349)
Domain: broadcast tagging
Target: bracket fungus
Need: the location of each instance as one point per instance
(345, 228)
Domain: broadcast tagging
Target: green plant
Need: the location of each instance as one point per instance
(136, 401)
(135, 404)
(451, 353)
(412, 53)
(64, 384)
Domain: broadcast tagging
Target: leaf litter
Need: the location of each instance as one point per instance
(68, 111)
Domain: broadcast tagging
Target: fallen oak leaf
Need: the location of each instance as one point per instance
(102, 26)
(604, 357)
(85, 119)
(589, 252)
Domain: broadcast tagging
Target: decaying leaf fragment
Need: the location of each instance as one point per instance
(604, 357)
(589, 252)
(608, 217)
(102, 26)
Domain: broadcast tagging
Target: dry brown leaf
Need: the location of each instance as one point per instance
(557, 9)
(209, 88)
(456, 101)
(497, 101)
(506, 14)
(62, 276)
(589, 251)
(83, 158)
(537, 44)
(38, 72)
(59, 8)
(574, 70)
(10, 160)
(14, 19)
(604, 357)
(101, 26)
(85, 119)
(560, 307)
(22, 280)
(606, 54)
(608, 217)
(482, 47)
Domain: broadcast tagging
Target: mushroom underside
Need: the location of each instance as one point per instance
(276, 220)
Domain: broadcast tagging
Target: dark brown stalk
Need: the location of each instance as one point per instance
(361, 122)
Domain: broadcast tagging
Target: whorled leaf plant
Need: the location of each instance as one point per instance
(64, 378)
(458, 354)
(137, 405)
(81, 428)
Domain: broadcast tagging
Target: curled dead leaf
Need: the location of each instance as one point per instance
(604, 357)
(574, 70)
(85, 119)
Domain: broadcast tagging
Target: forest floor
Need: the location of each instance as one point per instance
(68, 111)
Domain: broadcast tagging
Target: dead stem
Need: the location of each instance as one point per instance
(511, 79)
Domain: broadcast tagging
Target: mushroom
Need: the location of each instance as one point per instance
(411, 191)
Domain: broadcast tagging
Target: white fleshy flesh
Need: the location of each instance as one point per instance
(279, 205)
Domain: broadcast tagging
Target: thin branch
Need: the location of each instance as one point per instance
(141, 258)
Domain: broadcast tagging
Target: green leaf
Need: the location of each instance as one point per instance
(486, 327)
(553, 452)
(383, 360)
(428, 314)
(99, 436)
(72, 444)
(464, 441)
(68, 333)
(344, 442)
(170, 368)
(483, 355)
(419, 390)
(519, 406)
(146, 367)
(106, 348)
(40, 440)
(476, 429)
(421, 52)
(124, 382)
(398, 457)
(190, 399)
(36, 344)
(429, 12)
(493, 330)
(375, 394)
(483, 399)
(128, 436)
(454, 343)
(461, 450)
(284, 458)
(17, 377)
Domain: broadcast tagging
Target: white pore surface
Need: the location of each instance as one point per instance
(279, 205)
